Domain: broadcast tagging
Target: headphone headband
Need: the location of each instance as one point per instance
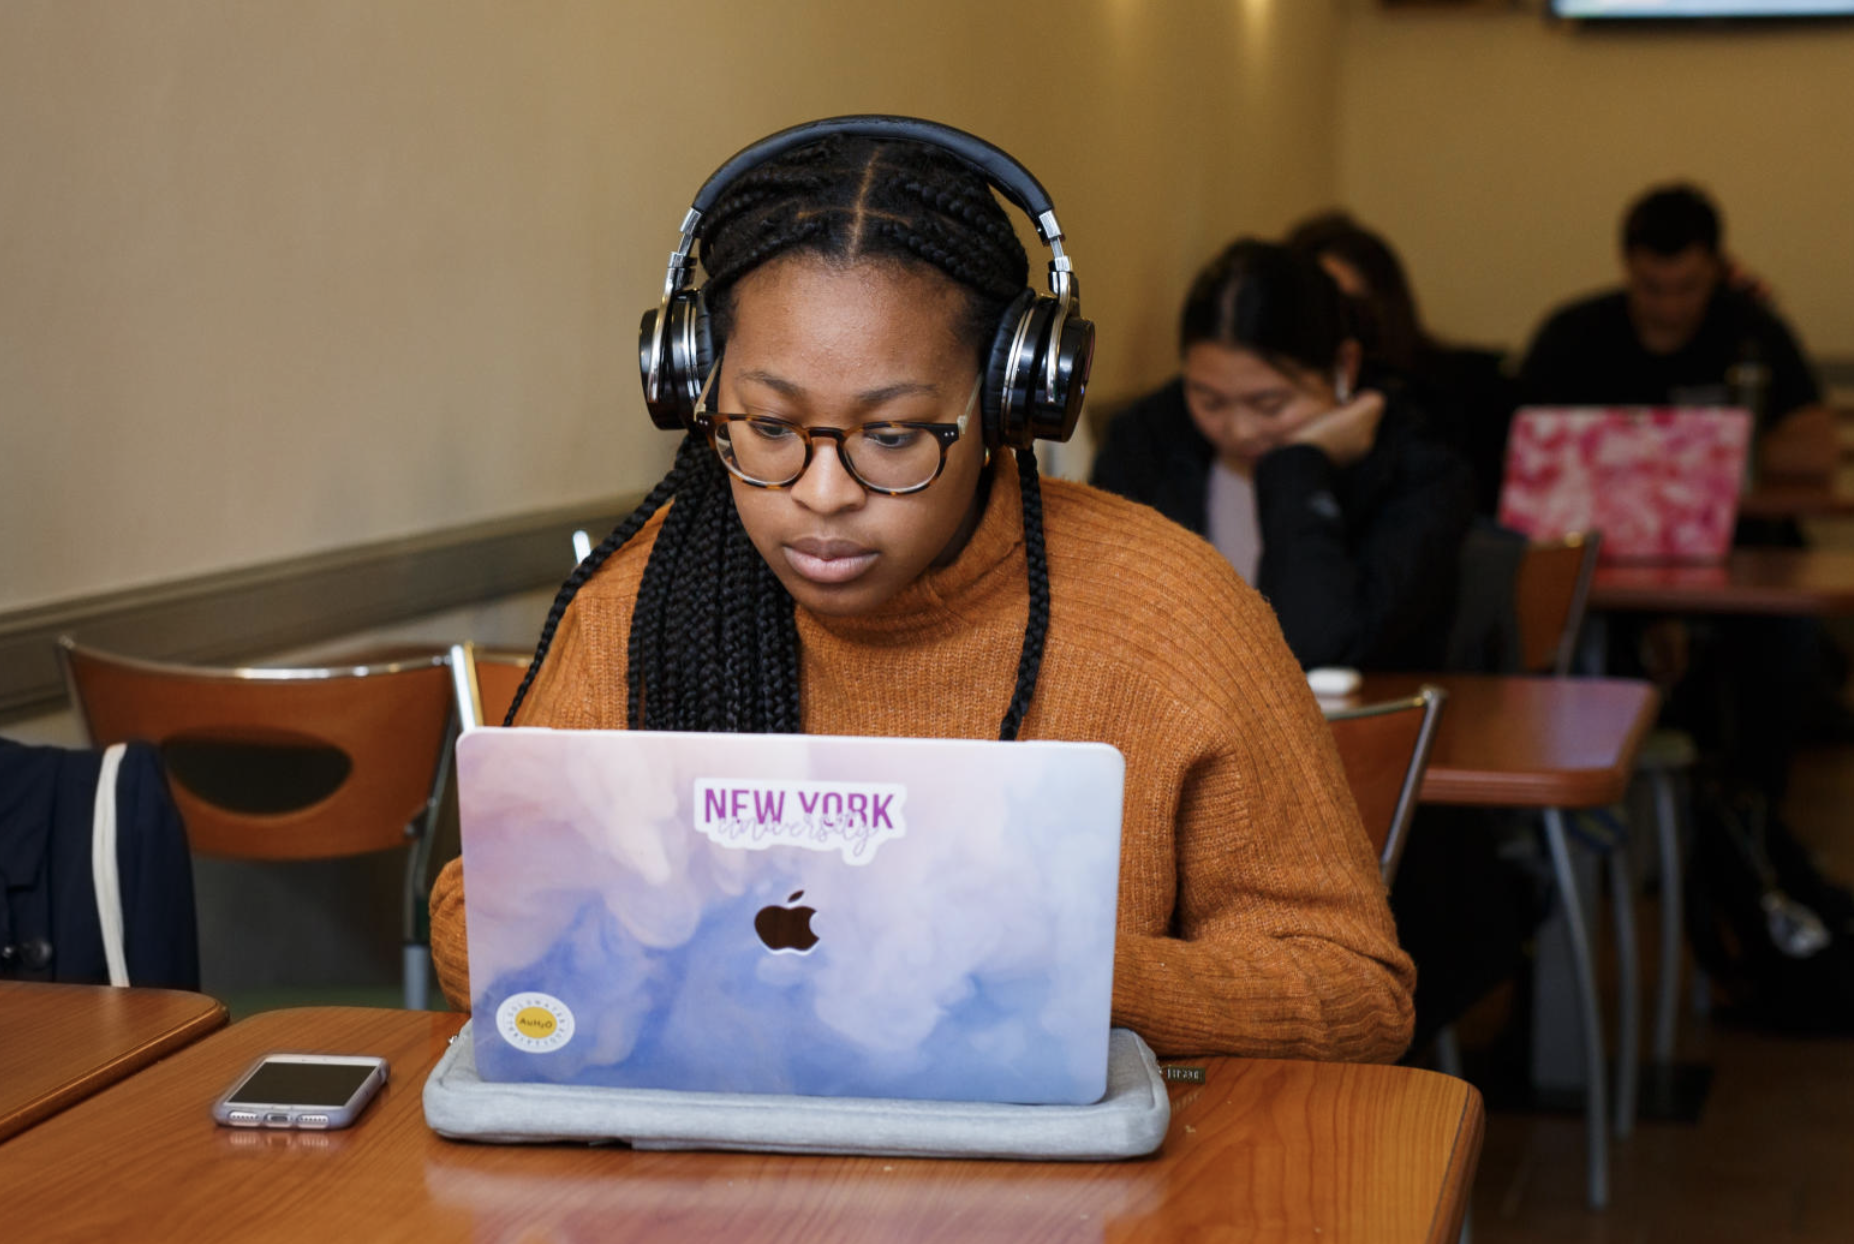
(1000, 168)
(1039, 360)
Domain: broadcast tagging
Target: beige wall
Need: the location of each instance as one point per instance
(1499, 152)
(280, 277)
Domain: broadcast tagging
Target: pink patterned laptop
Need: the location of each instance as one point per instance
(1661, 484)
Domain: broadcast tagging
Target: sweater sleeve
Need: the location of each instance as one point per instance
(1280, 941)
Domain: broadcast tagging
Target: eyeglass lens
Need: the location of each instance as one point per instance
(771, 451)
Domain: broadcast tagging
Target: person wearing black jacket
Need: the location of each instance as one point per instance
(1464, 390)
(1331, 499)
(1337, 504)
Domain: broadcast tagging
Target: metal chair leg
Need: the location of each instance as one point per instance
(1628, 989)
(416, 960)
(1448, 1053)
(1596, 1112)
(1673, 933)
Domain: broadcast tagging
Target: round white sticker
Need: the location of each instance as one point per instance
(535, 1022)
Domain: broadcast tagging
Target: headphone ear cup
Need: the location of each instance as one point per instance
(1055, 417)
(681, 357)
(1006, 343)
(700, 341)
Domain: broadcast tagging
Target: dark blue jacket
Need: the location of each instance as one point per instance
(49, 928)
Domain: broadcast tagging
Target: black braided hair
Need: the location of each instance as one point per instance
(1030, 659)
(714, 640)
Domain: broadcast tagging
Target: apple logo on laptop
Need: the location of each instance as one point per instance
(787, 928)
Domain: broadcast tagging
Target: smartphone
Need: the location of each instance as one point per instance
(315, 1092)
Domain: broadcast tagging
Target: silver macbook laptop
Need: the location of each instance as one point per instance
(917, 918)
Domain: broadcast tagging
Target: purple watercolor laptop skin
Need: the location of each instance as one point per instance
(868, 917)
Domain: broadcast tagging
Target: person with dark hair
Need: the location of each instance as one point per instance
(840, 553)
(1464, 390)
(1368, 271)
(1681, 333)
(1750, 690)
(1328, 497)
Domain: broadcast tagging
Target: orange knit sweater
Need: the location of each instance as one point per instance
(1252, 919)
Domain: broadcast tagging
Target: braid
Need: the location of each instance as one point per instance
(713, 644)
(1036, 627)
(647, 612)
(714, 641)
(620, 535)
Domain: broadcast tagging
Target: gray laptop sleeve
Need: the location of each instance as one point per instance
(1130, 1121)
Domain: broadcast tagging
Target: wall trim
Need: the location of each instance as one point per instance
(241, 614)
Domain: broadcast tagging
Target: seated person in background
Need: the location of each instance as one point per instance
(1328, 497)
(1679, 334)
(804, 568)
(1464, 390)
(1682, 332)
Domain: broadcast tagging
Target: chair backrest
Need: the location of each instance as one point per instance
(1549, 595)
(1385, 750)
(484, 684)
(279, 763)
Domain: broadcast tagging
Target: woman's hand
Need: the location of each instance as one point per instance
(1345, 433)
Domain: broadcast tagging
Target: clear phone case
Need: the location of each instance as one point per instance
(304, 1092)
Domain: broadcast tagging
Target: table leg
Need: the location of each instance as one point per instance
(1628, 989)
(1673, 934)
(1576, 930)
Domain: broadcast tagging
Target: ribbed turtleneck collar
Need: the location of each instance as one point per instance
(991, 562)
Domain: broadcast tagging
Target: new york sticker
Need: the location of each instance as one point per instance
(747, 814)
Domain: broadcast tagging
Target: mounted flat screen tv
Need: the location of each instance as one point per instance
(1648, 9)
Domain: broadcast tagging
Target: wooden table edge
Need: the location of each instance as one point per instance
(1720, 600)
(1558, 788)
(1458, 1177)
(1577, 788)
(119, 1068)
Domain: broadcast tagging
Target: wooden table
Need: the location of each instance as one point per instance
(1524, 742)
(61, 1043)
(1784, 582)
(1261, 1150)
(1550, 744)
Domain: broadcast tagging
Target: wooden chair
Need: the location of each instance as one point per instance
(288, 764)
(1550, 592)
(1385, 749)
(484, 684)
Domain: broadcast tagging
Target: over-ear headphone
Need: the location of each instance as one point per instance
(1039, 359)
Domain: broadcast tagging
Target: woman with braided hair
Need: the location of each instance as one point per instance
(835, 551)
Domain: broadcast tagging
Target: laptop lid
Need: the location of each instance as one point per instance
(870, 917)
(1661, 484)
